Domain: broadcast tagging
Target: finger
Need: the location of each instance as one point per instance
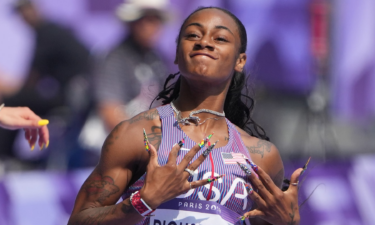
(172, 159)
(194, 165)
(259, 186)
(254, 213)
(31, 120)
(266, 179)
(40, 140)
(44, 135)
(257, 183)
(33, 139)
(32, 124)
(27, 135)
(293, 186)
(255, 197)
(25, 123)
(198, 183)
(188, 157)
(153, 157)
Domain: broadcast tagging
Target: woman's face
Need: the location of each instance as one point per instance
(209, 46)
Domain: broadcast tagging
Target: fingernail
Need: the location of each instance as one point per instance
(244, 168)
(249, 188)
(182, 142)
(43, 122)
(201, 144)
(253, 165)
(146, 140)
(208, 137)
(212, 179)
(307, 163)
(305, 166)
(32, 147)
(41, 147)
(47, 144)
(205, 141)
(209, 149)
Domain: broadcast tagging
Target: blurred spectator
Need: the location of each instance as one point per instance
(132, 73)
(59, 57)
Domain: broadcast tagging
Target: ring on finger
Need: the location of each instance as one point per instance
(295, 184)
(189, 171)
(190, 185)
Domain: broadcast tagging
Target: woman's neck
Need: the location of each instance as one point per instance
(195, 96)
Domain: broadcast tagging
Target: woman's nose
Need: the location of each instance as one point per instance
(203, 43)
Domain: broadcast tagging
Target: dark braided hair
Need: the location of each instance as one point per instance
(238, 104)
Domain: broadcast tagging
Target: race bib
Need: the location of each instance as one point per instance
(194, 212)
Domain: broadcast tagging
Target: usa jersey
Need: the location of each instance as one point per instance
(228, 200)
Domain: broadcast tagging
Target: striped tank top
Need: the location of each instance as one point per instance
(228, 198)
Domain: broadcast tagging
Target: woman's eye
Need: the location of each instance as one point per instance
(192, 35)
(221, 39)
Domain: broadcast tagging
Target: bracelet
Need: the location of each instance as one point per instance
(2, 106)
(140, 205)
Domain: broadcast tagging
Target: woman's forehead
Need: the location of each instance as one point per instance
(213, 17)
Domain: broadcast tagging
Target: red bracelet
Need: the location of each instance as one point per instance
(140, 205)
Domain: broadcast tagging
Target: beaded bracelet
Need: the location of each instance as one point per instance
(2, 106)
(140, 205)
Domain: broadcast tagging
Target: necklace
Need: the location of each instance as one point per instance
(195, 119)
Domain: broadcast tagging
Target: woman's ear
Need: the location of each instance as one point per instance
(240, 63)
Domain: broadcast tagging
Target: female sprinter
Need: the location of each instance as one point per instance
(171, 185)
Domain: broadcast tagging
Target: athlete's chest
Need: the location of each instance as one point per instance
(227, 191)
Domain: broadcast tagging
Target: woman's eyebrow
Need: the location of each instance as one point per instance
(216, 27)
(194, 24)
(224, 27)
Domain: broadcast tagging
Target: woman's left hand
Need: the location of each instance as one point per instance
(273, 205)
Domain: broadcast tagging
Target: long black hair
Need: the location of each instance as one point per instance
(238, 103)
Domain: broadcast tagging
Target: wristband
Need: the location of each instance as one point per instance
(140, 205)
(2, 106)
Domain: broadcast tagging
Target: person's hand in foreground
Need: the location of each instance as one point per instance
(273, 205)
(14, 118)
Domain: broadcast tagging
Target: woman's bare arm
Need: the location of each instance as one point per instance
(123, 160)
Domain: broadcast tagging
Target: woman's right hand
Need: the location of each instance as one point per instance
(13, 118)
(163, 183)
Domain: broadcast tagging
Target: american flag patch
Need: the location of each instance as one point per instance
(233, 158)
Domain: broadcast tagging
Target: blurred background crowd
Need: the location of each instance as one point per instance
(87, 65)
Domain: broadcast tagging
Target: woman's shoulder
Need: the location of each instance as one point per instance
(149, 121)
(126, 140)
(150, 116)
(263, 153)
(144, 120)
(252, 142)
